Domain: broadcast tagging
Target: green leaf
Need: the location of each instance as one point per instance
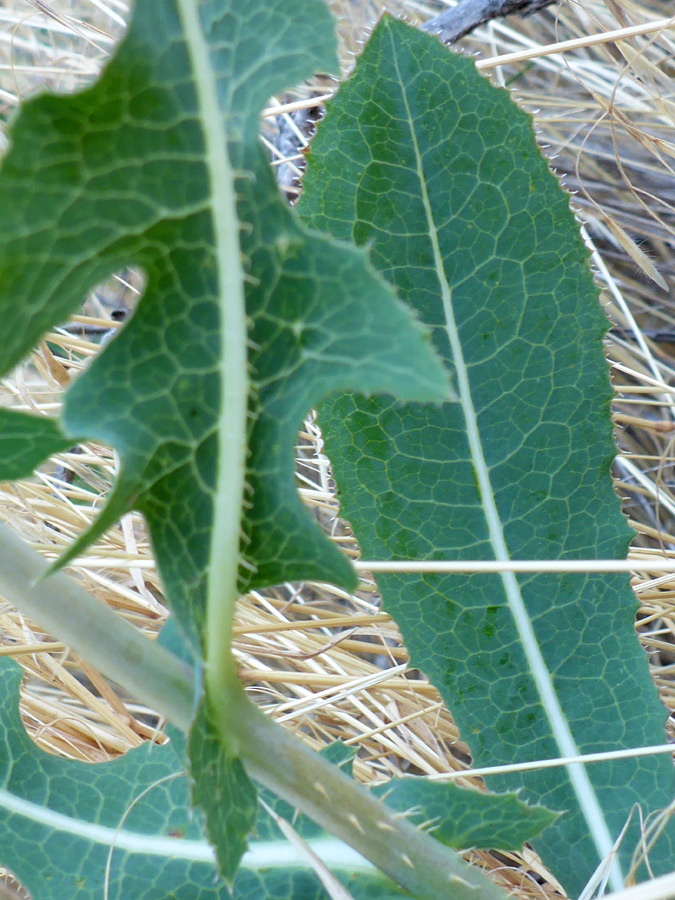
(458, 817)
(25, 441)
(60, 819)
(463, 817)
(438, 173)
(145, 168)
(246, 322)
(223, 790)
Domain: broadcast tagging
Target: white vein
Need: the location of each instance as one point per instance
(578, 775)
(233, 372)
(261, 854)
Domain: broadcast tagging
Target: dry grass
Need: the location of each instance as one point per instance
(327, 663)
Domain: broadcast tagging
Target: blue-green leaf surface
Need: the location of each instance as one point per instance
(61, 820)
(458, 817)
(224, 791)
(246, 322)
(136, 170)
(462, 818)
(25, 441)
(439, 174)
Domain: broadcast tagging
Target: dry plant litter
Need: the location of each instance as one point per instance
(329, 664)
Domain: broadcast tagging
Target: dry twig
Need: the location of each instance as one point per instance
(454, 23)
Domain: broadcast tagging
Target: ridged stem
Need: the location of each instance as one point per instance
(120, 651)
(411, 857)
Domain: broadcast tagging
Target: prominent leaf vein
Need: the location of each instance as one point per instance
(262, 854)
(540, 673)
(233, 373)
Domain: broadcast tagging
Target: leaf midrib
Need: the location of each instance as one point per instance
(223, 566)
(583, 789)
(261, 854)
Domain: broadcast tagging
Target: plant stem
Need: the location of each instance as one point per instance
(411, 857)
(272, 755)
(141, 666)
(454, 23)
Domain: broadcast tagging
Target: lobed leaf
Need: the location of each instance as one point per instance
(462, 817)
(128, 173)
(25, 441)
(62, 822)
(224, 791)
(246, 322)
(439, 174)
(456, 816)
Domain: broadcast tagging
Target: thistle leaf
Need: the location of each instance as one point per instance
(246, 322)
(158, 165)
